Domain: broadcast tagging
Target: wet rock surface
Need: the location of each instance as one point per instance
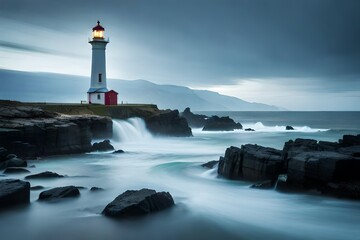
(210, 164)
(251, 162)
(168, 123)
(216, 123)
(59, 193)
(102, 146)
(44, 175)
(138, 202)
(14, 192)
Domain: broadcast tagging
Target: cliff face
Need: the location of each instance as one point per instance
(30, 131)
(158, 122)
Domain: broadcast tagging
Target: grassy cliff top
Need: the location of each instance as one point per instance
(121, 111)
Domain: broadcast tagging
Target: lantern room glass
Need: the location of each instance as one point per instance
(98, 34)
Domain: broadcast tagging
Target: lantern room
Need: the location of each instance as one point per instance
(98, 31)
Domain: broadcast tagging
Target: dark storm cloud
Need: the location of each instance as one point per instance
(219, 42)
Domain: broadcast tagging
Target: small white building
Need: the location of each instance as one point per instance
(98, 92)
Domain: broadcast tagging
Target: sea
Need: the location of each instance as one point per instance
(206, 206)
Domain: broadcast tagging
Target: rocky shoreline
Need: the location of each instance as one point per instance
(29, 131)
(331, 168)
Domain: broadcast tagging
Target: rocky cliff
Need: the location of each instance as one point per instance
(30, 131)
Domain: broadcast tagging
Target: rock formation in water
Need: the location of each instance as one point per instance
(11, 161)
(216, 123)
(138, 202)
(252, 163)
(102, 146)
(14, 192)
(213, 123)
(59, 193)
(289, 128)
(194, 120)
(44, 175)
(210, 164)
(168, 123)
(303, 164)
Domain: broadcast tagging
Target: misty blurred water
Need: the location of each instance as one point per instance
(207, 207)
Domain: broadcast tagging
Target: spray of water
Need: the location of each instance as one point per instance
(130, 130)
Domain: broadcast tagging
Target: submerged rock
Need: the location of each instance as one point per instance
(138, 202)
(36, 188)
(210, 164)
(249, 130)
(168, 123)
(289, 128)
(96, 189)
(14, 170)
(59, 193)
(14, 192)
(216, 123)
(118, 151)
(46, 174)
(194, 120)
(102, 146)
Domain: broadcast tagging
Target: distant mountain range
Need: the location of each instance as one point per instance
(51, 87)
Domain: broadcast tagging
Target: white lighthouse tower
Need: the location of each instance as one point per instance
(98, 92)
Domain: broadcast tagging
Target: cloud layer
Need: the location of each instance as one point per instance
(313, 45)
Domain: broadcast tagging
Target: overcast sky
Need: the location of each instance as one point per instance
(297, 54)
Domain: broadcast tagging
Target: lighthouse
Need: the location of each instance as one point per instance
(98, 92)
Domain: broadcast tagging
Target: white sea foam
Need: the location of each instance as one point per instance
(260, 127)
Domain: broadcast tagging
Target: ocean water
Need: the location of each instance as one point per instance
(207, 207)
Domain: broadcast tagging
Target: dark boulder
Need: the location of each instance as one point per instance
(59, 193)
(37, 188)
(96, 189)
(13, 162)
(118, 151)
(44, 175)
(14, 192)
(289, 128)
(210, 164)
(251, 162)
(14, 170)
(168, 123)
(249, 130)
(138, 202)
(194, 120)
(102, 146)
(216, 123)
